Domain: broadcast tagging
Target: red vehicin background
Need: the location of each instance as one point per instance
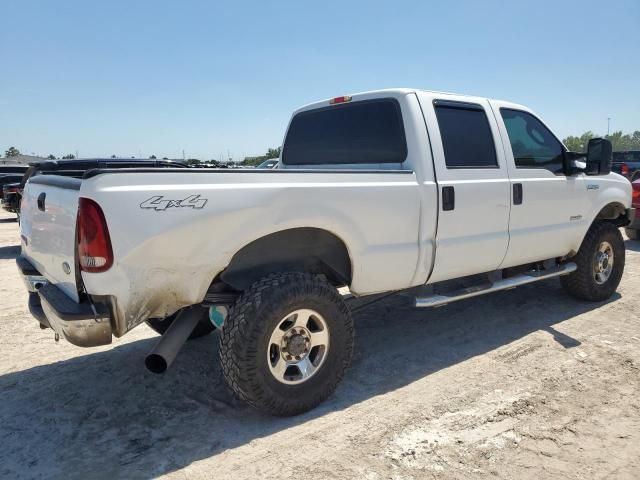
(634, 226)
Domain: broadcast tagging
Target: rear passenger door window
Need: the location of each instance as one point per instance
(472, 182)
(533, 145)
(466, 135)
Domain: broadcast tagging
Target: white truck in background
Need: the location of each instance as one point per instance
(380, 191)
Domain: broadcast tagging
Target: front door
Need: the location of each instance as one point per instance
(551, 209)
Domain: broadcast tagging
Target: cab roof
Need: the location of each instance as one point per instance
(398, 92)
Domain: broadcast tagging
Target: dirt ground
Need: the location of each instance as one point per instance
(521, 384)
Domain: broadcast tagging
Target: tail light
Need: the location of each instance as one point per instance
(94, 245)
(624, 169)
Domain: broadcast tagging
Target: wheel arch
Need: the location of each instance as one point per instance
(614, 212)
(305, 249)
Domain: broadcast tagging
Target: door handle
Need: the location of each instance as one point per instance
(448, 198)
(517, 193)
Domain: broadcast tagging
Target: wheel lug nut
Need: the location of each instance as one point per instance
(289, 357)
(297, 357)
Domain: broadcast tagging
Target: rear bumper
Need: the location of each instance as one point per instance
(85, 324)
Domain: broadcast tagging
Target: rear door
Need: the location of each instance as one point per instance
(48, 228)
(473, 184)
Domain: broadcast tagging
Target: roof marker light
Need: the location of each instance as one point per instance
(343, 99)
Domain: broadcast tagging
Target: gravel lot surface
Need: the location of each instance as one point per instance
(522, 384)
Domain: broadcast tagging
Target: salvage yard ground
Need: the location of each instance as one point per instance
(528, 383)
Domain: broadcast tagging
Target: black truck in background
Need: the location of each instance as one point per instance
(11, 190)
(10, 175)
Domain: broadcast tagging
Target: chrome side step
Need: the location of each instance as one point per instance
(504, 284)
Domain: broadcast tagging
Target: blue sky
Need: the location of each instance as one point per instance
(141, 78)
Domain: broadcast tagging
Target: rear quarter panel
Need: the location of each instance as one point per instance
(166, 258)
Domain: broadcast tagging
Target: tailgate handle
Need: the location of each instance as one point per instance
(41, 199)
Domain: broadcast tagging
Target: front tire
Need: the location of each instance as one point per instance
(286, 343)
(600, 262)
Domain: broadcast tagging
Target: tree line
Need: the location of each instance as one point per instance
(620, 141)
(14, 152)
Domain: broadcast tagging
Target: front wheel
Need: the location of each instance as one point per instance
(600, 262)
(286, 343)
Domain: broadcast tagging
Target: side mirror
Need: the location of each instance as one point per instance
(599, 155)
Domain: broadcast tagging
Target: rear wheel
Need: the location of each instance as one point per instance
(600, 262)
(286, 343)
(203, 327)
(632, 233)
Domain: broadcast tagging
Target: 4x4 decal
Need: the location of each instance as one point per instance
(160, 204)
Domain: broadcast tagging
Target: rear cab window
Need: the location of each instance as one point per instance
(362, 132)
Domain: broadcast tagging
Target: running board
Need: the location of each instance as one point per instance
(504, 284)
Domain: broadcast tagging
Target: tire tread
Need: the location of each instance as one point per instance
(241, 334)
(581, 283)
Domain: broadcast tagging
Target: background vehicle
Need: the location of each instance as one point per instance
(10, 175)
(627, 164)
(632, 229)
(270, 163)
(11, 197)
(381, 191)
(75, 169)
(4, 169)
(8, 178)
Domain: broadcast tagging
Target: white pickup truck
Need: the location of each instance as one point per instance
(378, 192)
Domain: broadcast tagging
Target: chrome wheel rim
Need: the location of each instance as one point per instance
(298, 346)
(603, 263)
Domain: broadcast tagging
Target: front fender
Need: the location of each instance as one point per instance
(602, 193)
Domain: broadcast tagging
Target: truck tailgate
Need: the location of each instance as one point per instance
(48, 229)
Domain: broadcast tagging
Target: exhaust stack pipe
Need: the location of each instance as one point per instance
(165, 351)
